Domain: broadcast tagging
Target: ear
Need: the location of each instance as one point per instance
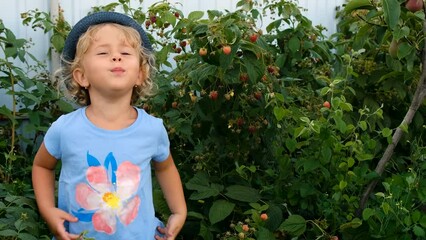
(79, 77)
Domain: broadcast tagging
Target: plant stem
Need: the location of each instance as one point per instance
(12, 142)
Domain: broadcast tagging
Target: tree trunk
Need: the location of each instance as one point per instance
(419, 95)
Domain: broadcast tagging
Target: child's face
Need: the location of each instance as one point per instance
(110, 66)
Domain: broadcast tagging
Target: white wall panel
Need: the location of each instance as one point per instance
(319, 11)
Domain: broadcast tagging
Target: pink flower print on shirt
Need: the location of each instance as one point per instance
(110, 199)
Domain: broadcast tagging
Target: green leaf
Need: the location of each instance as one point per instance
(342, 184)
(310, 164)
(160, 202)
(200, 183)
(169, 17)
(422, 221)
(58, 42)
(367, 213)
(391, 12)
(243, 193)
(264, 234)
(351, 162)
(386, 208)
(358, 4)
(64, 106)
(346, 106)
(361, 37)
(305, 119)
(418, 231)
(404, 50)
(399, 33)
(7, 113)
(220, 210)
(279, 113)
(8, 233)
(324, 91)
(300, 131)
(404, 127)
(205, 232)
(340, 124)
(363, 125)
(355, 223)
(295, 225)
(364, 156)
(386, 132)
(294, 44)
(195, 215)
(416, 215)
(203, 72)
(291, 144)
(195, 15)
(26, 236)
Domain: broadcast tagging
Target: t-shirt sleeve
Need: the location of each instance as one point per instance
(163, 148)
(52, 139)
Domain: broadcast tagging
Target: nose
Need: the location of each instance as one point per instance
(116, 59)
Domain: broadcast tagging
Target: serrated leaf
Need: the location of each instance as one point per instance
(295, 225)
(220, 210)
(200, 183)
(264, 234)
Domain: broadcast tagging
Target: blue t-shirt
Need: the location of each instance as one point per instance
(105, 178)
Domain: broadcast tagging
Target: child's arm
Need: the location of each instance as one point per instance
(170, 182)
(43, 177)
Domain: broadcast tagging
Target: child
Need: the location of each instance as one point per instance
(106, 146)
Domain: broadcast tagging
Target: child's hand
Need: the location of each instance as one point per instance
(55, 219)
(174, 225)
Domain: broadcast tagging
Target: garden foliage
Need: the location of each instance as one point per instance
(276, 130)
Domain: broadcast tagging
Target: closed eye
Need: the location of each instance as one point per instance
(101, 53)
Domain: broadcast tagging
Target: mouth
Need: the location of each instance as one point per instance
(117, 70)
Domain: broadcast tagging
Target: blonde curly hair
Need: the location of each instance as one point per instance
(79, 94)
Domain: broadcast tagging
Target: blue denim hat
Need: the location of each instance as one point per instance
(97, 18)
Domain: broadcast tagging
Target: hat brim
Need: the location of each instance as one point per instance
(81, 27)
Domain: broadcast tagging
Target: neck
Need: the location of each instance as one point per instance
(111, 116)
